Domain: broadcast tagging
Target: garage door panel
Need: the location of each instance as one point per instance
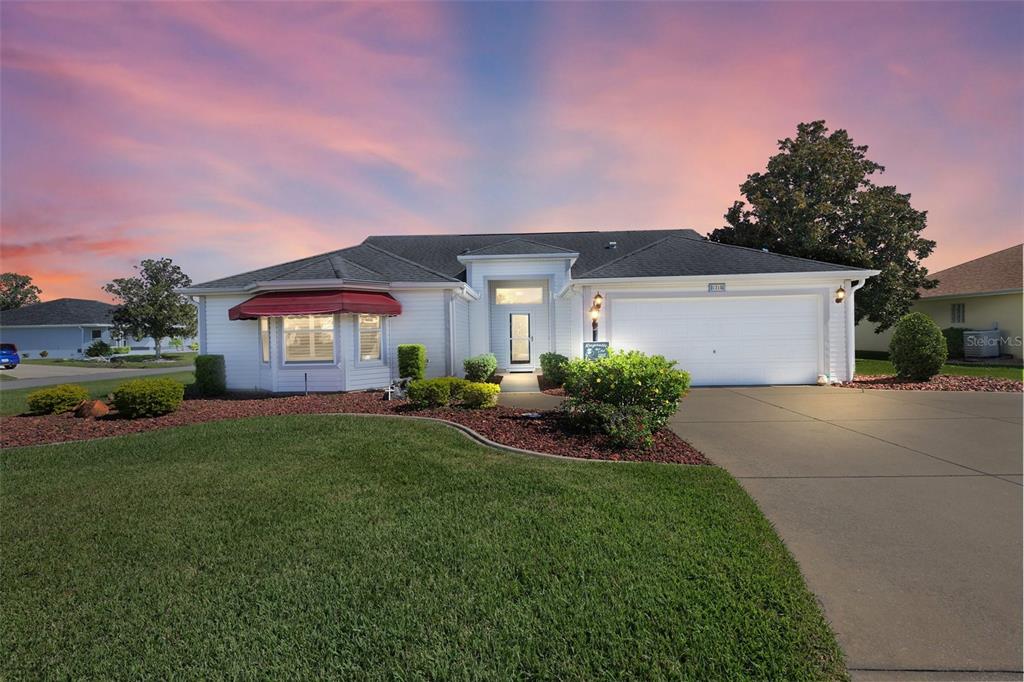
(769, 340)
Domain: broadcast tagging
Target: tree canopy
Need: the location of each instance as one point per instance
(17, 290)
(817, 199)
(148, 304)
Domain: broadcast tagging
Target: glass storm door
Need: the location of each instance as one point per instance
(519, 338)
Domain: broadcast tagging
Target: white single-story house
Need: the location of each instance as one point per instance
(727, 314)
(986, 293)
(65, 327)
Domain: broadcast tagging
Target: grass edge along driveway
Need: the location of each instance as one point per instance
(347, 546)
(13, 400)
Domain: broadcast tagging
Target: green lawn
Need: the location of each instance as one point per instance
(879, 367)
(12, 400)
(123, 361)
(317, 546)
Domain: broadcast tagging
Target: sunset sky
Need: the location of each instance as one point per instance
(232, 136)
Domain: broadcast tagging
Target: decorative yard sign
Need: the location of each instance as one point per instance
(595, 350)
(716, 287)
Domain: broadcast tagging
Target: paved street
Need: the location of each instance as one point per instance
(31, 376)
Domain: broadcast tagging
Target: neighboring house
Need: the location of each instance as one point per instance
(729, 315)
(984, 293)
(64, 328)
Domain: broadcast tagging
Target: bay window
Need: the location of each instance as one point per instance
(309, 338)
(369, 337)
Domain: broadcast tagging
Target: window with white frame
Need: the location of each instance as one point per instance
(957, 313)
(370, 337)
(265, 338)
(308, 338)
(518, 295)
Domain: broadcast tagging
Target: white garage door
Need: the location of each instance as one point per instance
(725, 341)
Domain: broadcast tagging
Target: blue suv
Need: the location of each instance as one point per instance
(9, 357)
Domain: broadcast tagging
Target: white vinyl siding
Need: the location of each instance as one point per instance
(422, 321)
(237, 340)
(308, 339)
(461, 335)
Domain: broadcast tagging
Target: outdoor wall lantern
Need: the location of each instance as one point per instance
(840, 295)
(595, 313)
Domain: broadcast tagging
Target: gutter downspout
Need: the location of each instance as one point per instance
(851, 361)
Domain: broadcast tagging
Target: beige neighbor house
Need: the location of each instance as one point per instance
(984, 293)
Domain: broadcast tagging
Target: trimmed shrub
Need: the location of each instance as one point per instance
(148, 397)
(99, 349)
(56, 399)
(480, 367)
(477, 395)
(918, 348)
(194, 346)
(412, 360)
(587, 417)
(211, 378)
(626, 379)
(430, 392)
(44, 353)
(456, 386)
(121, 350)
(954, 341)
(552, 366)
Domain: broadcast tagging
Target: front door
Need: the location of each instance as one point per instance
(520, 341)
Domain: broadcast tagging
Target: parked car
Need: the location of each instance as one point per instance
(9, 358)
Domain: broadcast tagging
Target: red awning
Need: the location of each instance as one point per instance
(281, 303)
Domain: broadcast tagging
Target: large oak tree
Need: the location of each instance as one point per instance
(817, 199)
(17, 290)
(148, 304)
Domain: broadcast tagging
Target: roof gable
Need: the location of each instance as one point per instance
(999, 271)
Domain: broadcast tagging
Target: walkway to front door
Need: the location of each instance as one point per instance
(519, 382)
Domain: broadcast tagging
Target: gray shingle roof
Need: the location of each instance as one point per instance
(435, 258)
(58, 311)
(682, 255)
(516, 247)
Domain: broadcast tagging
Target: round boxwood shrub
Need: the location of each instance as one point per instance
(56, 399)
(954, 341)
(552, 366)
(480, 367)
(412, 360)
(211, 379)
(148, 397)
(918, 348)
(478, 395)
(99, 349)
(430, 392)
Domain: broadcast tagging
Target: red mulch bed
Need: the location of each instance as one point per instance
(943, 382)
(501, 424)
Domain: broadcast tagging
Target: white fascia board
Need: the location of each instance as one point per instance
(572, 256)
(946, 297)
(773, 278)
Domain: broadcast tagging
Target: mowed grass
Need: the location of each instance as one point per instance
(883, 367)
(358, 547)
(14, 400)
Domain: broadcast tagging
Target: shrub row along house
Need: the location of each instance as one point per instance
(66, 327)
(727, 314)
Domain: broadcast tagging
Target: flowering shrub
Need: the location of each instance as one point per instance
(627, 379)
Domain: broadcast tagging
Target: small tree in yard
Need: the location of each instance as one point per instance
(17, 290)
(148, 304)
(817, 199)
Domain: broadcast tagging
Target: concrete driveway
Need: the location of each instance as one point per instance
(902, 508)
